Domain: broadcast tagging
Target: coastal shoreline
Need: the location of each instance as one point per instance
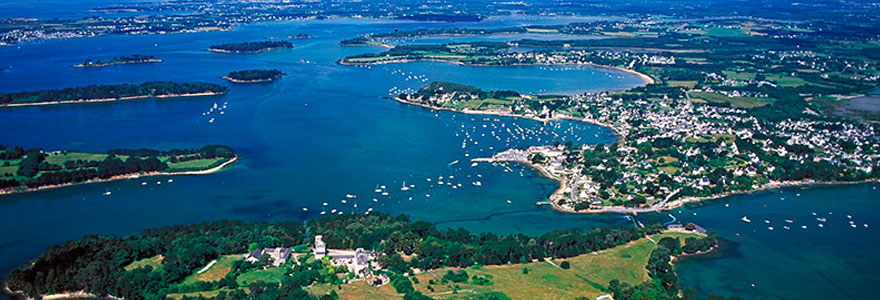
(99, 65)
(244, 52)
(233, 80)
(122, 177)
(20, 295)
(112, 99)
(563, 184)
(646, 78)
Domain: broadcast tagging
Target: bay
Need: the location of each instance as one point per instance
(326, 130)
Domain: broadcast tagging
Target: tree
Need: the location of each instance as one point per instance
(565, 265)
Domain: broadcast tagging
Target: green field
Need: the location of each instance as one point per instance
(195, 165)
(784, 80)
(11, 169)
(207, 294)
(738, 102)
(61, 158)
(588, 276)
(216, 272)
(155, 262)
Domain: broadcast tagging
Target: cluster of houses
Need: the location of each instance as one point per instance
(359, 262)
(844, 145)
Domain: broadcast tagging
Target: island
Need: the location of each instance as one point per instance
(27, 170)
(252, 76)
(728, 106)
(358, 256)
(112, 92)
(122, 60)
(250, 47)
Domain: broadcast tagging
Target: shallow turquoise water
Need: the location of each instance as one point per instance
(325, 131)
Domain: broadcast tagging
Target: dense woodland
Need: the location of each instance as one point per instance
(112, 91)
(34, 171)
(250, 47)
(96, 263)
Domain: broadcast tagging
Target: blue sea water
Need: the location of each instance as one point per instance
(326, 130)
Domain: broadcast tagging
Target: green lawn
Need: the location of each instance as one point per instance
(270, 274)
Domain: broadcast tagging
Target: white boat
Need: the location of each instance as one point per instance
(786, 227)
(788, 221)
(305, 209)
(820, 225)
(820, 219)
(325, 203)
(107, 193)
(746, 219)
(343, 201)
(333, 211)
(770, 228)
(323, 212)
(473, 165)
(508, 202)
(384, 193)
(375, 200)
(804, 226)
(350, 196)
(144, 183)
(170, 180)
(404, 187)
(477, 183)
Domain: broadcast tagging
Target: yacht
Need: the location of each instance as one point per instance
(404, 187)
(746, 219)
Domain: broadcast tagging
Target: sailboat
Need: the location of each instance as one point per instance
(404, 187)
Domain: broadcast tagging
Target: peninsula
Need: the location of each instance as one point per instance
(408, 260)
(26, 170)
(253, 76)
(122, 60)
(250, 47)
(715, 118)
(114, 92)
